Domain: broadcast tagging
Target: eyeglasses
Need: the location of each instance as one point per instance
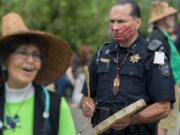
(25, 54)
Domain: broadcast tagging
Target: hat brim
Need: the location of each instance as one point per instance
(156, 18)
(57, 56)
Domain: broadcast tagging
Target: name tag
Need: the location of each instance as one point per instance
(104, 60)
(159, 58)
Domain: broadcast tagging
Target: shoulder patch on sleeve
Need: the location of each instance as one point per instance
(165, 69)
(154, 45)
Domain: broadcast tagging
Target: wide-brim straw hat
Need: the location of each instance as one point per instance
(57, 51)
(160, 11)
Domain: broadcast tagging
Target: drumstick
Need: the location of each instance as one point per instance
(86, 73)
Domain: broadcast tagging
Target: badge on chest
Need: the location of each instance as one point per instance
(135, 58)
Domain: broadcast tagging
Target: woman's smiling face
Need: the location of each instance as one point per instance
(23, 65)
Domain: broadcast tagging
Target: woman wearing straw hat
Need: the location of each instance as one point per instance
(30, 60)
(162, 19)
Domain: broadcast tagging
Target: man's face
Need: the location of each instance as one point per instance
(123, 26)
(170, 21)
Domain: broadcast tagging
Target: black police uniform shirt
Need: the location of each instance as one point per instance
(138, 80)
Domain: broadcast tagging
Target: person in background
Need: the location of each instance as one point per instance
(65, 82)
(123, 71)
(68, 80)
(30, 60)
(163, 20)
(83, 55)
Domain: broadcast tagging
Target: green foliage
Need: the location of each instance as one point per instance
(78, 22)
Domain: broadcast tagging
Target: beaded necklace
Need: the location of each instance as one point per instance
(13, 121)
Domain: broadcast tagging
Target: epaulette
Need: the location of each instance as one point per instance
(107, 43)
(104, 44)
(99, 48)
(154, 45)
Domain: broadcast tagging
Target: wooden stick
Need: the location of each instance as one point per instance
(86, 73)
(127, 111)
